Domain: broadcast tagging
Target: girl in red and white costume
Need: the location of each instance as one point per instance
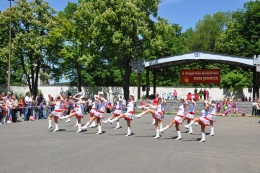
(78, 110)
(157, 114)
(129, 115)
(117, 112)
(93, 111)
(155, 103)
(203, 121)
(190, 115)
(212, 115)
(178, 119)
(99, 114)
(56, 114)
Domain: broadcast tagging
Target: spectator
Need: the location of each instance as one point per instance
(254, 106)
(39, 107)
(175, 94)
(258, 108)
(201, 93)
(28, 102)
(9, 105)
(204, 94)
(207, 94)
(2, 107)
(15, 108)
(22, 107)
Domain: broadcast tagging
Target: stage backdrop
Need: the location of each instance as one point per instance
(200, 76)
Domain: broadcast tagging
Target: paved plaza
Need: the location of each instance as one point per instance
(28, 147)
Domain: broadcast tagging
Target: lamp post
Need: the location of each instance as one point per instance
(10, 41)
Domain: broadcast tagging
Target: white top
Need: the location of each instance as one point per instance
(119, 105)
(212, 110)
(130, 106)
(192, 107)
(181, 110)
(57, 105)
(204, 113)
(101, 106)
(159, 107)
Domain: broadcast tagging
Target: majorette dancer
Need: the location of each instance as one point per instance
(212, 115)
(190, 115)
(129, 115)
(156, 111)
(178, 118)
(203, 121)
(78, 110)
(99, 114)
(117, 112)
(92, 110)
(56, 114)
(155, 103)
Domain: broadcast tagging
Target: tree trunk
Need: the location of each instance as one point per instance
(126, 77)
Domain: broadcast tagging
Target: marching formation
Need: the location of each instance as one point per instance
(64, 110)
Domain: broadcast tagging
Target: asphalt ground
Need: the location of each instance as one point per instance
(28, 147)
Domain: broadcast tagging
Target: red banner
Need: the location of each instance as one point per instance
(200, 76)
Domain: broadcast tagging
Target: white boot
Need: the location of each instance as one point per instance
(212, 131)
(99, 130)
(128, 131)
(56, 128)
(161, 130)
(76, 123)
(196, 124)
(157, 134)
(202, 137)
(64, 117)
(139, 115)
(179, 135)
(68, 120)
(117, 125)
(161, 126)
(190, 132)
(50, 126)
(79, 128)
(153, 121)
(93, 124)
(188, 126)
(112, 121)
(86, 126)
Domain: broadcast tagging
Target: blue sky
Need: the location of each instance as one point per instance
(183, 12)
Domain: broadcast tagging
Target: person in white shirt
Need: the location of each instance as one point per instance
(28, 107)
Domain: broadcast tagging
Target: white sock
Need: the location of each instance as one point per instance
(56, 126)
(191, 129)
(128, 130)
(161, 126)
(115, 119)
(202, 136)
(191, 123)
(49, 123)
(77, 122)
(117, 124)
(179, 134)
(157, 132)
(153, 120)
(212, 130)
(99, 129)
(79, 127)
(86, 125)
(166, 127)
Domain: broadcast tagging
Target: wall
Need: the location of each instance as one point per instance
(216, 93)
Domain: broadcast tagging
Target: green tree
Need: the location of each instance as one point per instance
(36, 42)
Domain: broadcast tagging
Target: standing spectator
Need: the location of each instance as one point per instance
(28, 106)
(175, 94)
(201, 93)
(207, 94)
(33, 106)
(258, 108)
(15, 108)
(39, 106)
(9, 104)
(254, 105)
(2, 107)
(22, 107)
(204, 94)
